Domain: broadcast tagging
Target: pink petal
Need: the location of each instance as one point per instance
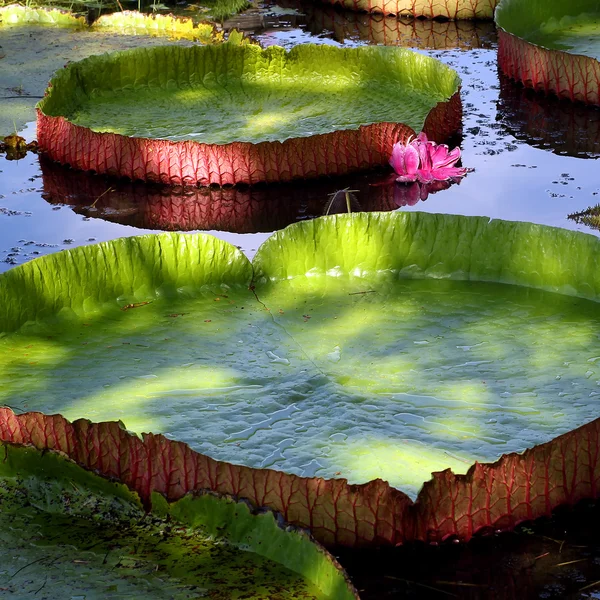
(439, 154)
(425, 157)
(422, 138)
(448, 172)
(443, 158)
(407, 178)
(404, 160)
(425, 176)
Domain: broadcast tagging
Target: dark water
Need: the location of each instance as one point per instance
(535, 159)
(554, 559)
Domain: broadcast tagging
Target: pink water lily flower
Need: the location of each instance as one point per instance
(424, 161)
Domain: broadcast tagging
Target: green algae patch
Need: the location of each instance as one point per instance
(70, 531)
(371, 346)
(229, 93)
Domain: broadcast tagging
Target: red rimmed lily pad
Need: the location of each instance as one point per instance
(552, 46)
(232, 113)
(365, 347)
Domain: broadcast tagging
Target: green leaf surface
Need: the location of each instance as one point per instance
(371, 346)
(226, 93)
(68, 533)
(572, 27)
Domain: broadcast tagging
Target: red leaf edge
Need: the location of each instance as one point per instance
(193, 163)
(498, 496)
(566, 75)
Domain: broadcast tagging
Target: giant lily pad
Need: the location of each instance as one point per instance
(552, 46)
(239, 114)
(368, 346)
(72, 532)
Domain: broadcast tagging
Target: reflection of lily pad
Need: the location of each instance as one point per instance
(391, 31)
(560, 126)
(249, 209)
(252, 209)
(69, 531)
(552, 46)
(445, 9)
(239, 114)
(369, 346)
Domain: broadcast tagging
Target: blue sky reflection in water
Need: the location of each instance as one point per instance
(512, 139)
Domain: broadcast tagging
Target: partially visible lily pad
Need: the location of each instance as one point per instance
(573, 27)
(552, 46)
(166, 26)
(69, 532)
(37, 42)
(17, 14)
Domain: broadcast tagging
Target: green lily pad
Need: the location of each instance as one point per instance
(572, 27)
(551, 46)
(227, 93)
(71, 533)
(369, 346)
